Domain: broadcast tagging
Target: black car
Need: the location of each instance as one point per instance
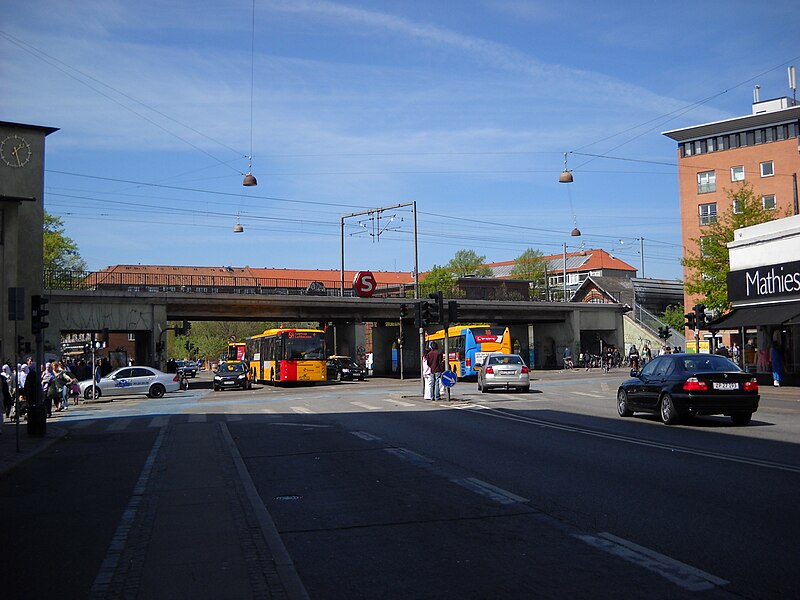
(677, 386)
(232, 375)
(344, 367)
(187, 367)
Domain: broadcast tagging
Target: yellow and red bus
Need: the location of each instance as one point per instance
(469, 344)
(287, 355)
(236, 351)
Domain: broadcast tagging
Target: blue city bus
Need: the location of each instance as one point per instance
(468, 345)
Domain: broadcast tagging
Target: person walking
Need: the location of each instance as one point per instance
(435, 361)
(426, 375)
(776, 358)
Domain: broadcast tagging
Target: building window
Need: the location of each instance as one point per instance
(706, 182)
(769, 202)
(699, 147)
(737, 173)
(738, 207)
(708, 213)
(759, 136)
(131, 337)
(767, 169)
(733, 140)
(711, 143)
(706, 242)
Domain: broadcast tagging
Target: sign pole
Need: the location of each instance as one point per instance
(446, 350)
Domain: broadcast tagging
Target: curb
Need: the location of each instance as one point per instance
(29, 446)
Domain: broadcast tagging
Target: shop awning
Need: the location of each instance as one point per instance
(773, 314)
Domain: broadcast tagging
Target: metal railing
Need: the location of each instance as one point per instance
(651, 323)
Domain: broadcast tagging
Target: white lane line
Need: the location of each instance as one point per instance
(198, 418)
(409, 456)
(230, 418)
(367, 406)
(304, 425)
(119, 425)
(588, 394)
(398, 402)
(159, 421)
(490, 491)
(302, 410)
(105, 574)
(365, 436)
(681, 574)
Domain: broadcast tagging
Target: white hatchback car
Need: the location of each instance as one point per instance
(503, 371)
(129, 381)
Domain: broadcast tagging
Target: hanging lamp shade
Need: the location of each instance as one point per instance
(238, 228)
(249, 180)
(565, 177)
(575, 232)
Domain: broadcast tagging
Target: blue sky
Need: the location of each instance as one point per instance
(466, 107)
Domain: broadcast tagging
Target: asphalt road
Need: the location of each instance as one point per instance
(375, 493)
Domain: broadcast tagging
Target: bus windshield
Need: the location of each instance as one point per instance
(304, 345)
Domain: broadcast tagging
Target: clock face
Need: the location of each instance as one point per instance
(15, 151)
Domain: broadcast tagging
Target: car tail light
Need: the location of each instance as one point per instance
(693, 384)
(177, 378)
(469, 362)
(751, 386)
(489, 370)
(524, 369)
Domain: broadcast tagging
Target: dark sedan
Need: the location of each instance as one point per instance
(232, 375)
(680, 386)
(344, 367)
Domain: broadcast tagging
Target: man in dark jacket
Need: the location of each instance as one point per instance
(435, 361)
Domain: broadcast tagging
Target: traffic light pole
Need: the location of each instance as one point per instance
(401, 348)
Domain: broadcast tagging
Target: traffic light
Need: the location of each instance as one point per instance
(187, 327)
(20, 345)
(691, 320)
(664, 332)
(423, 313)
(39, 313)
(104, 337)
(700, 314)
(452, 311)
(436, 311)
(403, 311)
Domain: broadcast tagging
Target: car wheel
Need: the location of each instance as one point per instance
(669, 415)
(622, 404)
(216, 389)
(157, 391)
(88, 395)
(741, 418)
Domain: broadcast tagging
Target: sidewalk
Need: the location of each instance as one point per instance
(28, 445)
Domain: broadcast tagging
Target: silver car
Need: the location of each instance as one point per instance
(503, 371)
(129, 381)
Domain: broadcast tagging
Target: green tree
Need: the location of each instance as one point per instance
(532, 266)
(709, 266)
(674, 317)
(60, 251)
(438, 279)
(210, 338)
(467, 262)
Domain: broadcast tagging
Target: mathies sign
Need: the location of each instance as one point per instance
(765, 282)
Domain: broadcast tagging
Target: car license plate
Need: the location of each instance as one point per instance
(725, 386)
(228, 382)
(507, 372)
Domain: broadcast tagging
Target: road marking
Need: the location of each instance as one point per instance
(490, 491)
(119, 425)
(367, 406)
(306, 425)
(756, 462)
(230, 418)
(105, 574)
(302, 410)
(365, 436)
(681, 574)
(409, 456)
(398, 402)
(588, 394)
(198, 418)
(159, 421)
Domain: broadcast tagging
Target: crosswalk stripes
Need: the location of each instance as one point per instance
(302, 410)
(198, 418)
(119, 424)
(159, 421)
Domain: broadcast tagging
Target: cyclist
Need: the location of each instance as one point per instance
(568, 364)
(633, 357)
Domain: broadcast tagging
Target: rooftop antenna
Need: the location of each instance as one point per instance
(757, 94)
(793, 83)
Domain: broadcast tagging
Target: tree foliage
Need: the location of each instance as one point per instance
(208, 340)
(60, 251)
(467, 262)
(674, 317)
(532, 266)
(708, 267)
(438, 279)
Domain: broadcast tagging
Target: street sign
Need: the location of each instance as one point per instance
(448, 379)
(364, 284)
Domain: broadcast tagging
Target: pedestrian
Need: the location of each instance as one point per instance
(11, 384)
(5, 394)
(435, 361)
(647, 355)
(633, 358)
(735, 353)
(50, 391)
(426, 375)
(777, 364)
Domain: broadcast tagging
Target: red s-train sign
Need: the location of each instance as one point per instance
(364, 284)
